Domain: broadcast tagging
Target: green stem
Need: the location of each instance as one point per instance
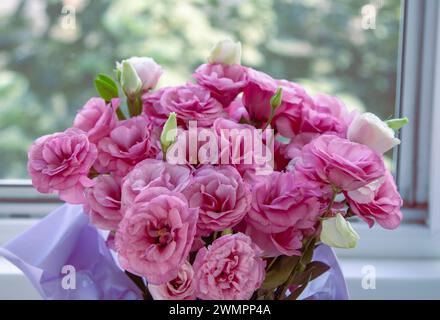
(215, 236)
(332, 200)
(120, 114)
(272, 113)
(134, 105)
(271, 263)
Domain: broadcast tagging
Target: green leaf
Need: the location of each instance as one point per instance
(107, 79)
(313, 270)
(308, 253)
(106, 87)
(279, 272)
(397, 124)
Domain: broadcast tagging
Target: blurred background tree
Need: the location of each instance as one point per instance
(51, 50)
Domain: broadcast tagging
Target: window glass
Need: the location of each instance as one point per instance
(50, 51)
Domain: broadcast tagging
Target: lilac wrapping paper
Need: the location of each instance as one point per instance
(65, 237)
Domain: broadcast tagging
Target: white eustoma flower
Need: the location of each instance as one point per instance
(226, 52)
(338, 233)
(369, 130)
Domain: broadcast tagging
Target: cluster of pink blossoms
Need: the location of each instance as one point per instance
(206, 230)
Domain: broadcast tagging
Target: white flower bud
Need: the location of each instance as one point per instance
(146, 69)
(130, 82)
(338, 232)
(226, 52)
(369, 130)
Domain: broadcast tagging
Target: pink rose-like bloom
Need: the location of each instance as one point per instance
(224, 81)
(152, 107)
(229, 269)
(156, 234)
(192, 103)
(256, 98)
(284, 209)
(130, 142)
(61, 162)
(236, 110)
(180, 288)
(221, 195)
(244, 147)
(153, 173)
(326, 115)
(385, 207)
(226, 142)
(341, 163)
(288, 154)
(289, 114)
(96, 118)
(103, 202)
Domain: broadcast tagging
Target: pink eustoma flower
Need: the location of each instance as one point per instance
(343, 164)
(180, 288)
(156, 234)
(153, 173)
(97, 118)
(224, 81)
(256, 98)
(192, 103)
(289, 115)
(229, 269)
(153, 109)
(284, 209)
(103, 202)
(236, 110)
(326, 115)
(221, 195)
(61, 162)
(384, 208)
(130, 142)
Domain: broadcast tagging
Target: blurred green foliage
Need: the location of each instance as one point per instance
(51, 50)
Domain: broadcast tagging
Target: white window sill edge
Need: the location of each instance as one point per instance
(395, 279)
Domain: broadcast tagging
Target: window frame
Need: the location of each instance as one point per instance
(418, 79)
(416, 157)
(419, 54)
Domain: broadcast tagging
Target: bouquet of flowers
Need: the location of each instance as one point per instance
(221, 188)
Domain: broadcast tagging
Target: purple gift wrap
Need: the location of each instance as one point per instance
(65, 238)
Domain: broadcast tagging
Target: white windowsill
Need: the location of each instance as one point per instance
(395, 279)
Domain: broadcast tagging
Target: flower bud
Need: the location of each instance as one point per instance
(169, 132)
(226, 52)
(146, 69)
(275, 101)
(130, 81)
(369, 130)
(338, 232)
